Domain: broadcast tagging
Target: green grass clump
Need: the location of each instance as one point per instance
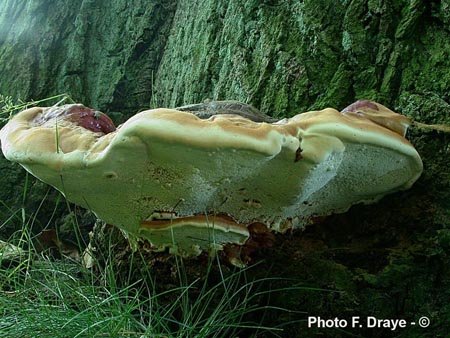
(41, 296)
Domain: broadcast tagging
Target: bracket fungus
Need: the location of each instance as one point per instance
(191, 179)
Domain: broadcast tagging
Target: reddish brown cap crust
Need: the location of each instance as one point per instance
(360, 104)
(92, 120)
(378, 114)
(82, 116)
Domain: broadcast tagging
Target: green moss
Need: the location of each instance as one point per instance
(340, 90)
(102, 53)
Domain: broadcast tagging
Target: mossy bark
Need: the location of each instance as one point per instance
(390, 260)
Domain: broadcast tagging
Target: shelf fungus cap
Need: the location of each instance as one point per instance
(193, 180)
(195, 232)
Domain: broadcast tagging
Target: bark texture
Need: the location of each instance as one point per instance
(390, 260)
